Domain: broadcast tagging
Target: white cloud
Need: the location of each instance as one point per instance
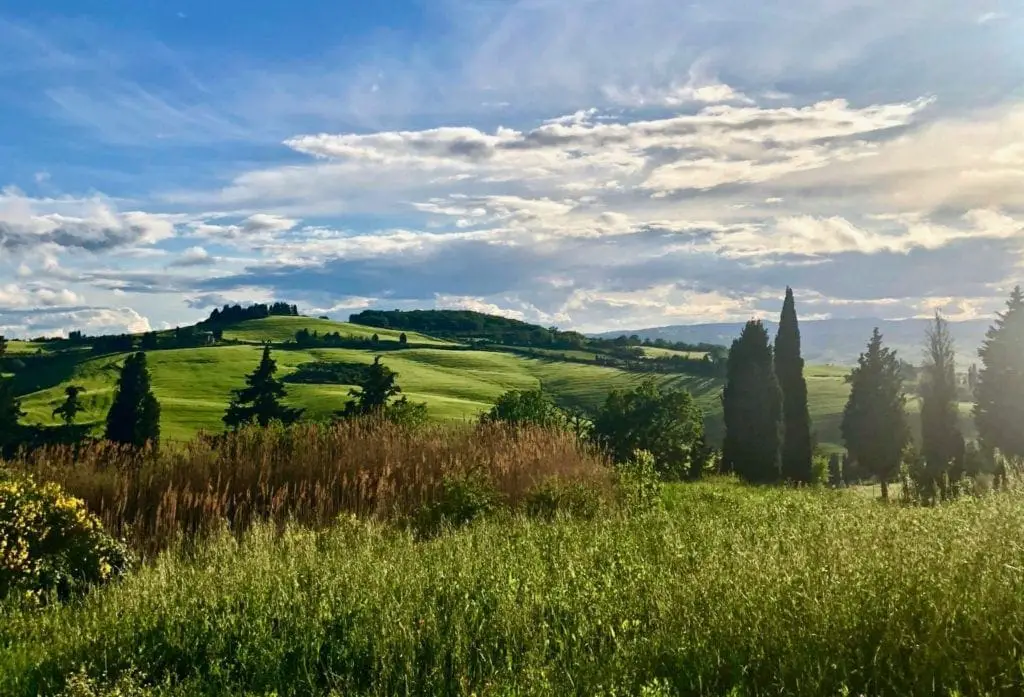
(194, 256)
(35, 295)
(93, 320)
(92, 225)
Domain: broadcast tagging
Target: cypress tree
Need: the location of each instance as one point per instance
(134, 416)
(752, 403)
(942, 444)
(797, 449)
(260, 401)
(874, 422)
(999, 395)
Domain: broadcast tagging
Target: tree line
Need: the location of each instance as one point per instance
(768, 429)
(232, 314)
(471, 325)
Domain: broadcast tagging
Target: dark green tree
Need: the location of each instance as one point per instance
(3, 346)
(665, 422)
(874, 424)
(149, 341)
(525, 408)
(406, 413)
(999, 396)
(259, 402)
(72, 406)
(10, 412)
(134, 416)
(403, 339)
(752, 403)
(797, 447)
(942, 443)
(377, 387)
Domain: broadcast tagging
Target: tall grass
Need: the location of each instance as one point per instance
(307, 474)
(731, 591)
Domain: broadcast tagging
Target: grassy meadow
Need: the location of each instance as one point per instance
(728, 590)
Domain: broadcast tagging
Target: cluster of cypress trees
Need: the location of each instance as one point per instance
(767, 422)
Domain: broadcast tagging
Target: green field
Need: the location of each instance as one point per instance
(656, 352)
(278, 329)
(731, 591)
(194, 385)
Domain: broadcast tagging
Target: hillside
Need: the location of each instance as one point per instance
(837, 341)
(457, 382)
(277, 329)
(194, 385)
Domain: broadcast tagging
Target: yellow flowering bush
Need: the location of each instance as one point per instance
(50, 543)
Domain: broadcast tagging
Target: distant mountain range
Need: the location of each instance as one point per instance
(838, 341)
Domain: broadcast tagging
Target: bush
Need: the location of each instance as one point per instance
(639, 483)
(526, 408)
(820, 472)
(667, 423)
(461, 500)
(554, 497)
(50, 543)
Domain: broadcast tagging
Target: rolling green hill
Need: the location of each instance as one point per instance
(278, 329)
(194, 385)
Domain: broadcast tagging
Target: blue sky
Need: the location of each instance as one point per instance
(596, 164)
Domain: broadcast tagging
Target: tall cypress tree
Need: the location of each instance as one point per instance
(134, 416)
(941, 440)
(260, 401)
(874, 422)
(797, 449)
(999, 395)
(752, 403)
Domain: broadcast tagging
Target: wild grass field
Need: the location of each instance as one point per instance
(729, 590)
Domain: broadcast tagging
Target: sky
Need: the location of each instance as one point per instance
(590, 164)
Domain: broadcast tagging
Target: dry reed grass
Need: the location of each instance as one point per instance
(308, 474)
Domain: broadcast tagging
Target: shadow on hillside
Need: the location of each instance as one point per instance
(43, 371)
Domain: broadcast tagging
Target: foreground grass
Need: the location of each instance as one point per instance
(730, 591)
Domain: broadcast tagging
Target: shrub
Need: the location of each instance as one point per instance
(667, 423)
(639, 483)
(820, 472)
(526, 408)
(462, 499)
(50, 543)
(556, 497)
